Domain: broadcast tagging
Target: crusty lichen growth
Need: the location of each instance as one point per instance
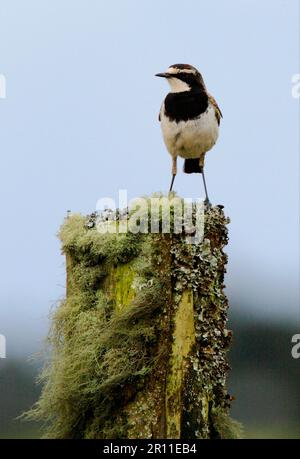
(183, 341)
(200, 268)
(138, 347)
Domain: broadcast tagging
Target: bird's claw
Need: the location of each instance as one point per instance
(207, 203)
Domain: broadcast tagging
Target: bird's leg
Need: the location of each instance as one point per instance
(207, 201)
(174, 171)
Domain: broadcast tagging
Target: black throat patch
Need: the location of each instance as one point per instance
(184, 106)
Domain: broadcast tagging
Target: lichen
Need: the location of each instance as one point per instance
(201, 268)
(119, 284)
(223, 426)
(183, 340)
(138, 347)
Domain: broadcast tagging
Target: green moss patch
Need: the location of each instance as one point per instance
(120, 341)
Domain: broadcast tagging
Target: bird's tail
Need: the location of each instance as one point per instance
(192, 166)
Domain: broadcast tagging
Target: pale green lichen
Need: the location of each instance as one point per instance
(97, 346)
(183, 340)
(224, 427)
(126, 343)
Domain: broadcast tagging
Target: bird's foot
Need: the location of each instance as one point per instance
(207, 203)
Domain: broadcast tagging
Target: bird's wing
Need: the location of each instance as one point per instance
(216, 107)
(161, 108)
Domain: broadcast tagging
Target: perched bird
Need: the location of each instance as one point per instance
(190, 119)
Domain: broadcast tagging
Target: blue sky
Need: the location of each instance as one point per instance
(80, 122)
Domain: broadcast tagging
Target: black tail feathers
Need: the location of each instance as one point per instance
(192, 166)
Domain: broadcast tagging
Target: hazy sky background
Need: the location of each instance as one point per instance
(80, 122)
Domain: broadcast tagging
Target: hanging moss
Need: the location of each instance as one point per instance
(138, 347)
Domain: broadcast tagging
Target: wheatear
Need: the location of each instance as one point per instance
(190, 119)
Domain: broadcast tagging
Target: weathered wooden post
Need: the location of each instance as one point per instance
(139, 344)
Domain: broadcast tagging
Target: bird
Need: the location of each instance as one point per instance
(190, 118)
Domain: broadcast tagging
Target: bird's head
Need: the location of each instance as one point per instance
(183, 77)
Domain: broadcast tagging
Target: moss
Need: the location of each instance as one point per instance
(119, 284)
(102, 338)
(223, 426)
(138, 347)
(88, 244)
(183, 340)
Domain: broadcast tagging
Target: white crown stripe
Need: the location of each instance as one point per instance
(175, 71)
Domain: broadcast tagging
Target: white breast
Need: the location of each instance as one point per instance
(193, 138)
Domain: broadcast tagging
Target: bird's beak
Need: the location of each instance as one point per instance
(163, 75)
